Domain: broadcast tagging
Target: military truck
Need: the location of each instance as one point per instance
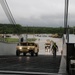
(47, 45)
(27, 47)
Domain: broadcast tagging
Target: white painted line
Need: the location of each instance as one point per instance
(23, 72)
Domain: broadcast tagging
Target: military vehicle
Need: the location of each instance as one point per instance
(27, 47)
(47, 45)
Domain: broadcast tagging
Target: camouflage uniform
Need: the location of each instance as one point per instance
(54, 49)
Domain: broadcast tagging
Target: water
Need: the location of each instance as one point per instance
(10, 49)
(7, 49)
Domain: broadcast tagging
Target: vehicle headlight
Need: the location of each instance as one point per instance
(28, 47)
(20, 48)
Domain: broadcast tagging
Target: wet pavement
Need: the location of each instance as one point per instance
(41, 63)
(44, 63)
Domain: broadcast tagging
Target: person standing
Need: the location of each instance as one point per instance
(54, 49)
(22, 39)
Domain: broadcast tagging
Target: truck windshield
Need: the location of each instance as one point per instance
(23, 44)
(47, 43)
(31, 44)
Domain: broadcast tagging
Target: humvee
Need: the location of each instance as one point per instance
(47, 46)
(27, 47)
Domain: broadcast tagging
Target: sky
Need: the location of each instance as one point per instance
(48, 13)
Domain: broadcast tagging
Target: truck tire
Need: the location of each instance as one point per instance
(32, 53)
(24, 54)
(17, 52)
(36, 54)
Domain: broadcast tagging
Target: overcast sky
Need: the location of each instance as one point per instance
(49, 13)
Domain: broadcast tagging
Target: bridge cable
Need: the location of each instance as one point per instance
(6, 11)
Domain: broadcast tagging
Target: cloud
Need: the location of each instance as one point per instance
(28, 8)
(39, 12)
(43, 20)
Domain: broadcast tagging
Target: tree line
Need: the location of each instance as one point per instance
(19, 29)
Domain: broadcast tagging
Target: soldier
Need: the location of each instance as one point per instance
(22, 39)
(54, 49)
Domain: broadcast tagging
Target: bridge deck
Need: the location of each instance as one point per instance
(42, 63)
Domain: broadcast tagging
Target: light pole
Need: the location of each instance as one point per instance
(66, 20)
